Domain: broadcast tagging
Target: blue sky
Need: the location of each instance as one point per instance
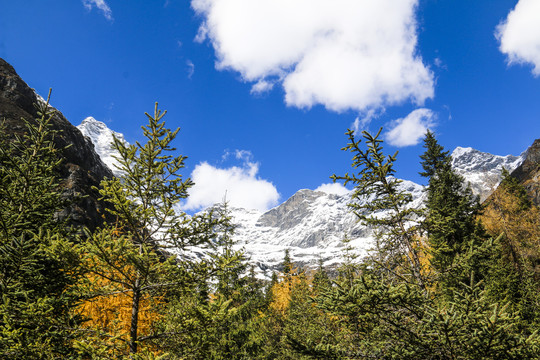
(264, 90)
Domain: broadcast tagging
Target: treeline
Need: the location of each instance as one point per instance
(453, 280)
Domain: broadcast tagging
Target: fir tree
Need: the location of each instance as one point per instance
(451, 208)
(222, 325)
(29, 185)
(132, 254)
(386, 315)
(287, 264)
(37, 263)
(321, 280)
(376, 190)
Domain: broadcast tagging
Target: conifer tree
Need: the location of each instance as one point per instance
(133, 254)
(287, 263)
(451, 208)
(221, 325)
(29, 186)
(37, 263)
(385, 315)
(377, 190)
(321, 280)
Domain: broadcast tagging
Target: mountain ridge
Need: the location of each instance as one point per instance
(312, 224)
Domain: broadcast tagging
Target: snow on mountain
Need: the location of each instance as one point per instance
(483, 170)
(102, 138)
(312, 224)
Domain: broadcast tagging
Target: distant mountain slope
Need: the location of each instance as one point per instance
(312, 224)
(483, 170)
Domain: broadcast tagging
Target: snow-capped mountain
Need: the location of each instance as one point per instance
(483, 170)
(102, 138)
(312, 224)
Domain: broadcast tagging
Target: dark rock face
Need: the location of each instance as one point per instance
(81, 169)
(528, 173)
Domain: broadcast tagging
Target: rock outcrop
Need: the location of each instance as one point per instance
(81, 169)
(528, 173)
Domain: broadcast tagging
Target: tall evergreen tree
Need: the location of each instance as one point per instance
(451, 208)
(222, 324)
(386, 313)
(133, 255)
(377, 190)
(37, 264)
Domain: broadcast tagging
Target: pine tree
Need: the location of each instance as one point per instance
(287, 264)
(38, 266)
(229, 265)
(451, 208)
(321, 280)
(377, 190)
(222, 324)
(29, 185)
(133, 255)
(384, 314)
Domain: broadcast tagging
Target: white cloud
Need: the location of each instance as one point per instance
(333, 188)
(411, 129)
(190, 68)
(519, 34)
(361, 123)
(261, 87)
(244, 155)
(101, 5)
(240, 185)
(343, 54)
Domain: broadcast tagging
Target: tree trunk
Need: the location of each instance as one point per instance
(134, 318)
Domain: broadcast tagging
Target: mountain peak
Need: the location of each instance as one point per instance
(312, 223)
(102, 137)
(482, 170)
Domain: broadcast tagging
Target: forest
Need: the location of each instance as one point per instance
(455, 279)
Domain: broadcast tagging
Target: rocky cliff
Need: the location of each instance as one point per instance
(81, 169)
(528, 173)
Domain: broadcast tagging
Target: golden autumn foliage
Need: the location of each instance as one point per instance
(112, 312)
(423, 254)
(108, 310)
(505, 214)
(281, 291)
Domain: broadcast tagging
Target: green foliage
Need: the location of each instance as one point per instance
(448, 292)
(377, 190)
(132, 256)
(321, 280)
(29, 177)
(220, 325)
(385, 315)
(451, 208)
(287, 265)
(512, 186)
(38, 265)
